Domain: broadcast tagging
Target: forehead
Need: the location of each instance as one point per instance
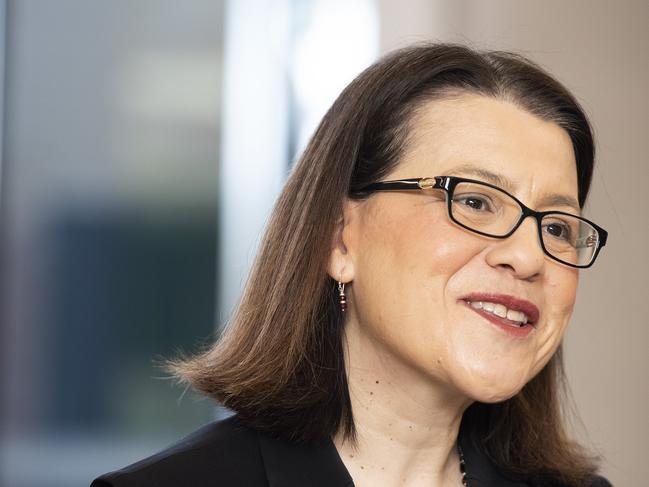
(534, 158)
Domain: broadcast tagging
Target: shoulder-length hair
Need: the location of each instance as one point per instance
(279, 363)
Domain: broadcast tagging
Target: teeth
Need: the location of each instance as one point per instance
(515, 315)
(501, 310)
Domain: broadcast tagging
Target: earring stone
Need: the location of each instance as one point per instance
(341, 296)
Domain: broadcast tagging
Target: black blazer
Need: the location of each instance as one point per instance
(227, 453)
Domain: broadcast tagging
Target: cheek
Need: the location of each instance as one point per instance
(411, 249)
(560, 296)
(400, 287)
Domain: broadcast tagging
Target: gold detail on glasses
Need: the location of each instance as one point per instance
(426, 183)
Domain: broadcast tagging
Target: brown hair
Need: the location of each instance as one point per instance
(279, 363)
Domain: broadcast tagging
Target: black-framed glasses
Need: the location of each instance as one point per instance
(491, 211)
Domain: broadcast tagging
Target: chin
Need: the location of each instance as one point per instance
(493, 397)
(495, 388)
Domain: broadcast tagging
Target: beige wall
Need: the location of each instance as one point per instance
(599, 50)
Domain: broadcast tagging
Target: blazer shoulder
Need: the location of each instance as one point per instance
(223, 452)
(599, 481)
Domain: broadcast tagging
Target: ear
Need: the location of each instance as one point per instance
(343, 243)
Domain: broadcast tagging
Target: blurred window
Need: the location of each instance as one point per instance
(126, 230)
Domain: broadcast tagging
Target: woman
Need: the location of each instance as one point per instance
(402, 324)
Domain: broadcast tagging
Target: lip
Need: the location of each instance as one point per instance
(510, 302)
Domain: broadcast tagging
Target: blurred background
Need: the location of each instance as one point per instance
(143, 144)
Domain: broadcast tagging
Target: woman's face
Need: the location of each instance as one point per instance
(411, 267)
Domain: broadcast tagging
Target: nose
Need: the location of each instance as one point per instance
(520, 253)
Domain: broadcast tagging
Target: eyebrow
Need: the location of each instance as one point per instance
(551, 199)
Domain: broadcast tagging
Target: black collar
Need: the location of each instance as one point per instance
(292, 464)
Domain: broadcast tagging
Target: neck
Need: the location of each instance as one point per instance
(407, 422)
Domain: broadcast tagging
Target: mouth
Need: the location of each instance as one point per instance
(515, 316)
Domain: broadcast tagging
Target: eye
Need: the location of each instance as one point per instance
(559, 230)
(475, 202)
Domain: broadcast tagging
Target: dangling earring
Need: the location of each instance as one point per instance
(341, 296)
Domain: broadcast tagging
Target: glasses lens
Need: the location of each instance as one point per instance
(569, 238)
(493, 212)
(487, 210)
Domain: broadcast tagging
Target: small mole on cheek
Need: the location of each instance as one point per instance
(377, 381)
(371, 393)
(362, 468)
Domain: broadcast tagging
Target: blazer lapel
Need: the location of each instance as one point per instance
(296, 465)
